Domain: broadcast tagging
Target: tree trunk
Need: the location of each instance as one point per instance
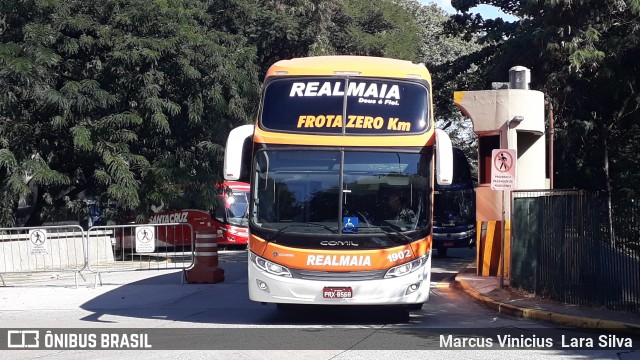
(34, 218)
(608, 185)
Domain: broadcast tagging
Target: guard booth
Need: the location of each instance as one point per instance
(511, 118)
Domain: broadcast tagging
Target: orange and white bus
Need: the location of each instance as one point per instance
(339, 143)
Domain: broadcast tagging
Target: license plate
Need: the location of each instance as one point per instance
(337, 293)
(448, 243)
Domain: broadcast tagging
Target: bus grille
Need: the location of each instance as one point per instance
(338, 276)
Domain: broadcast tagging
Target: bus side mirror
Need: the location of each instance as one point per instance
(236, 161)
(444, 158)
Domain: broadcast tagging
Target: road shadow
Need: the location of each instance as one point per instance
(165, 297)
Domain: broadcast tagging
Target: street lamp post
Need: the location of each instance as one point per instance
(515, 120)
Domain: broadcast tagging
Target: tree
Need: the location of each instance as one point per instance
(586, 56)
(583, 57)
(278, 29)
(130, 102)
(386, 30)
(125, 101)
(451, 60)
(355, 27)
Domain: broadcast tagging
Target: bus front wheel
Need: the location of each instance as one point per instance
(442, 251)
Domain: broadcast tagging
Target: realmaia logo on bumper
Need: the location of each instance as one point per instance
(338, 260)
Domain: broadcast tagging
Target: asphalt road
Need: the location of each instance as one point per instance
(219, 321)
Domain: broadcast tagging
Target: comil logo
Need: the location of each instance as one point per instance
(23, 339)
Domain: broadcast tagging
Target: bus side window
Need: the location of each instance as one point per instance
(219, 212)
(265, 204)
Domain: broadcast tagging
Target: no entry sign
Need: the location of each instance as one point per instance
(503, 169)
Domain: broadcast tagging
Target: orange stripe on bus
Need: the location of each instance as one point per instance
(357, 65)
(352, 260)
(267, 137)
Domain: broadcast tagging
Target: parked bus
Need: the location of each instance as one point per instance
(230, 218)
(341, 167)
(454, 209)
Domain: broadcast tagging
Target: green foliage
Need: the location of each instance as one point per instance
(388, 29)
(583, 56)
(451, 60)
(278, 29)
(130, 102)
(98, 95)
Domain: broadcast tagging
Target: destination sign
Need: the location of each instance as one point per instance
(353, 122)
(354, 88)
(317, 105)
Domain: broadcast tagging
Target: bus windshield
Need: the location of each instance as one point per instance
(237, 209)
(299, 191)
(455, 204)
(454, 207)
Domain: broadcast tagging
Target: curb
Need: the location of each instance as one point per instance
(548, 316)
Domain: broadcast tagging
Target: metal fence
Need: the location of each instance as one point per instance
(29, 251)
(564, 247)
(43, 249)
(140, 247)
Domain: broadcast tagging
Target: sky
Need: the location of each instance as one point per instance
(487, 11)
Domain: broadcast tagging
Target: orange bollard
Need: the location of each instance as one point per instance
(205, 269)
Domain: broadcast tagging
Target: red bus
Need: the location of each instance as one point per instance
(232, 213)
(230, 219)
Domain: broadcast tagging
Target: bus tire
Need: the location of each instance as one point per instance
(442, 251)
(289, 308)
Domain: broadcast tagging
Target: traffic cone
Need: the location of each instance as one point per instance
(205, 269)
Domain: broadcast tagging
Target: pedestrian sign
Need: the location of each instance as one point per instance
(145, 239)
(503, 169)
(38, 241)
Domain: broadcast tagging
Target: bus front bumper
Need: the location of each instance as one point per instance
(444, 237)
(412, 288)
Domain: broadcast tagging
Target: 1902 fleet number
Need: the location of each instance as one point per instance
(399, 255)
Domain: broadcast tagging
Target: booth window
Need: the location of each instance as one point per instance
(486, 144)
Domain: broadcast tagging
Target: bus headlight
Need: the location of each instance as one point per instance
(406, 268)
(270, 267)
(234, 230)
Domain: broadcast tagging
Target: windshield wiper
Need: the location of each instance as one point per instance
(389, 230)
(306, 224)
(333, 231)
(277, 233)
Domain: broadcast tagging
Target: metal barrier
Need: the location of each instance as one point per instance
(42, 249)
(68, 248)
(140, 247)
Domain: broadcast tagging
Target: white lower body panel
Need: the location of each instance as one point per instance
(391, 291)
